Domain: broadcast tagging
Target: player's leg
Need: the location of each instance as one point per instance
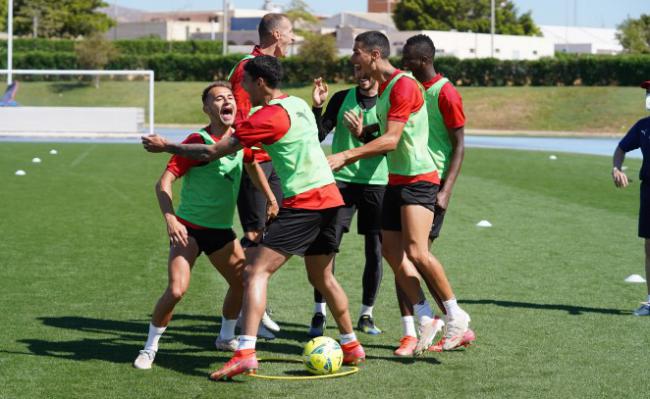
(181, 259)
(644, 232)
(409, 335)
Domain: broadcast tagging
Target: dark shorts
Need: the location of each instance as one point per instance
(420, 193)
(251, 202)
(210, 240)
(367, 199)
(644, 211)
(303, 232)
(438, 220)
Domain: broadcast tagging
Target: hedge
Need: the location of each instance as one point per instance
(139, 47)
(624, 70)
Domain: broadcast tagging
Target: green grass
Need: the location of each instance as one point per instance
(577, 109)
(83, 259)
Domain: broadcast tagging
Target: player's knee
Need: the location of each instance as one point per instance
(177, 291)
(417, 255)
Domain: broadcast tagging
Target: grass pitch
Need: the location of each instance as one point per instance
(83, 260)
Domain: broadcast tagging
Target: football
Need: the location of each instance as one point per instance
(322, 355)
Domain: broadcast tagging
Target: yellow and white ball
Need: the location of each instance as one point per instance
(322, 355)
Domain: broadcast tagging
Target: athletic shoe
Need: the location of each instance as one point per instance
(263, 332)
(353, 353)
(467, 340)
(144, 359)
(367, 325)
(406, 346)
(643, 310)
(455, 331)
(317, 328)
(228, 345)
(239, 364)
(427, 333)
(269, 323)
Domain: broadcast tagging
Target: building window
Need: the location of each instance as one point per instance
(470, 50)
(496, 50)
(534, 52)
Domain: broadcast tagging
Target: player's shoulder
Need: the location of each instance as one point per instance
(194, 138)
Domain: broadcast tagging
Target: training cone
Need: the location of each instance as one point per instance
(20, 173)
(634, 278)
(552, 157)
(36, 160)
(484, 223)
(53, 152)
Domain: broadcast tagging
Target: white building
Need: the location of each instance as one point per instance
(582, 40)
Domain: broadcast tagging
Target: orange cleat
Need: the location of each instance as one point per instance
(243, 362)
(353, 353)
(468, 338)
(406, 346)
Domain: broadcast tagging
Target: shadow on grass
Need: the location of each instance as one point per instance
(570, 309)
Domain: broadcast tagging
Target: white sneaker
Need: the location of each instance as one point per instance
(144, 359)
(227, 345)
(263, 332)
(456, 329)
(269, 323)
(643, 310)
(427, 333)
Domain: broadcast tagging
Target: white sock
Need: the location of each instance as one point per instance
(452, 308)
(246, 342)
(346, 338)
(320, 307)
(423, 312)
(154, 336)
(366, 310)
(227, 328)
(408, 326)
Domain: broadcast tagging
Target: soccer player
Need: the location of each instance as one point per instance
(413, 183)
(361, 184)
(446, 142)
(203, 221)
(638, 137)
(305, 225)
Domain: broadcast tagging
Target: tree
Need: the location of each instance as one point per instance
(60, 18)
(634, 34)
(3, 15)
(95, 52)
(320, 49)
(463, 16)
(299, 11)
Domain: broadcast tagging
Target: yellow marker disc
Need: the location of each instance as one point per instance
(353, 369)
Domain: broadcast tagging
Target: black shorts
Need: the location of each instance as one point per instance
(303, 232)
(251, 202)
(420, 193)
(368, 199)
(644, 211)
(438, 220)
(210, 240)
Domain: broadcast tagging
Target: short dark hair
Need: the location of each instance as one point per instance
(266, 67)
(268, 24)
(218, 83)
(422, 46)
(374, 40)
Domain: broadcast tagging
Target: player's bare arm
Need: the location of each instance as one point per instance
(619, 177)
(258, 178)
(457, 138)
(381, 145)
(176, 231)
(202, 152)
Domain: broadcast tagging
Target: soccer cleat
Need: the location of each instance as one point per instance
(367, 325)
(239, 364)
(144, 359)
(428, 332)
(269, 323)
(468, 338)
(228, 345)
(643, 310)
(317, 328)
(455, 331)
(353, 353)
(406, 346)
(263, 332)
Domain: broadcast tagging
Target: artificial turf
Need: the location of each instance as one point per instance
(83, 260)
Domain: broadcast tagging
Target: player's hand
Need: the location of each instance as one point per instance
(354, 122)
(177, 232)
(336, 161)
(619, 177)
(319, 93)
(442, 199)
(272, 209)
(154, 143)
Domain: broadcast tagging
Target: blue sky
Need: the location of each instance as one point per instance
(595, 13)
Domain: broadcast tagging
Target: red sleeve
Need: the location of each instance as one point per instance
(450, 104)
(405, 99)
(249, 157)
(241, 96)
(266, 126)
(179, 165)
